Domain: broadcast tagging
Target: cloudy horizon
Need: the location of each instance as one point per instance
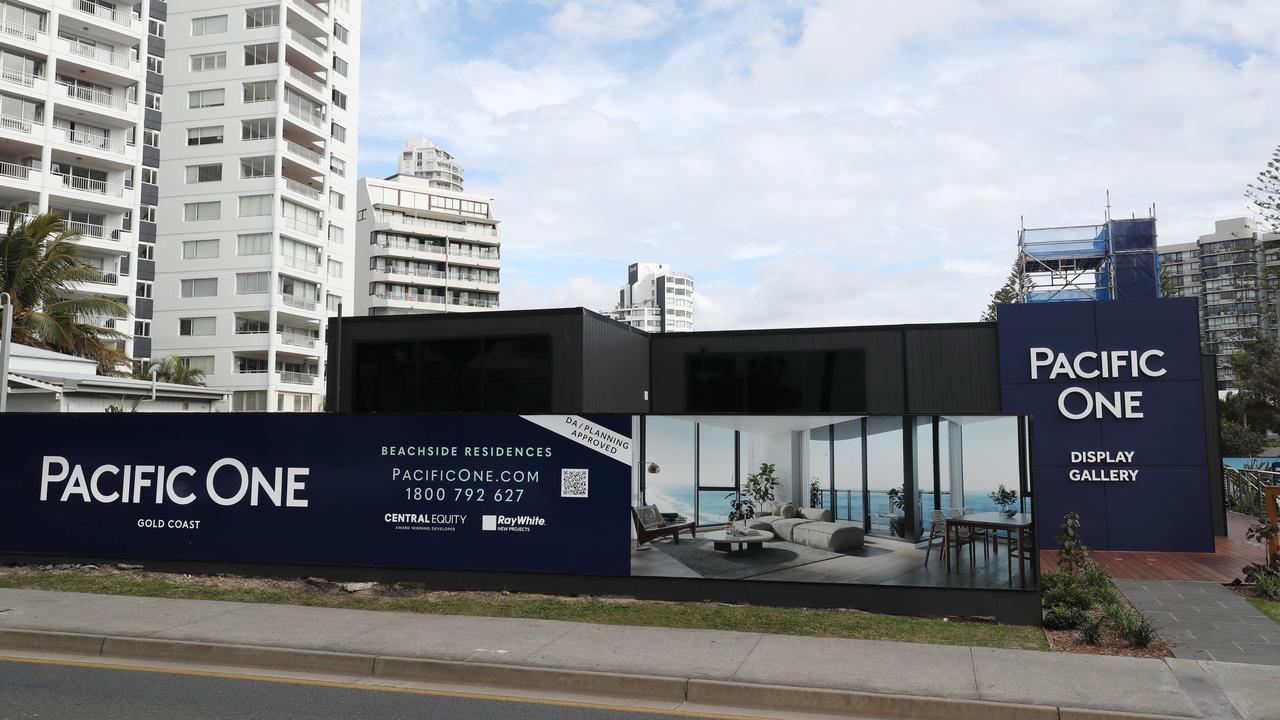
(819, 163)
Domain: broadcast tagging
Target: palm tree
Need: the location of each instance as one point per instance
(40, 268)
(171, 370)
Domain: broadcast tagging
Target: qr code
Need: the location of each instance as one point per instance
(573, 483)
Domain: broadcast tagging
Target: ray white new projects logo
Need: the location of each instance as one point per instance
(511, 523)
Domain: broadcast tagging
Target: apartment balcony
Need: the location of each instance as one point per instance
(24, 129)
(109, 283)
(298, 340)
(413, 250)
(309, 82)
(22, 173)
(315, 195)
(485, 304)
(311, 12)
(97, 100)
(105, 239)
(24, 81)
(93, 56)
(105, 147)
(299, 303)
(88, 188)
(310, 119)
(301, 264)
(304, 154)
(443, 228)
(302, 227)
(310, 48)
(118, 21)
(298, 378)
(32, 37)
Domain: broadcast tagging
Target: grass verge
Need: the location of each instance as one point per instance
(609, 611)
(1270, 608)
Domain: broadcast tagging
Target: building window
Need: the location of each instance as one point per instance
(210, 25)
(338, 132)
(153, 101)
(206, 62)
(142, 289)
(259, 91)
(256, 205)
(199, 249)
(261, 54)
(262, 17)
(147, 213)
(203, 363)
(249, 401)
(150, 176)
(335, 269)
(258, 167)
(211, 135)
(341, 33)
(201, 211)
(337, 166)
(155, 64)
(142, 328)
(199, 287)
(155, 27)
(254, 283)
(258, 129)
(254, 244)
(333, 303)
(337, 199)
(146, 251)
(151, 138)
(213, 97)
(197, 326)
(204, 173)
(340, 66)
(336, 235)
(339, 98)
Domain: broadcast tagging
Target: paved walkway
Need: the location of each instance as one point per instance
(1185, 688)
(1206, 621)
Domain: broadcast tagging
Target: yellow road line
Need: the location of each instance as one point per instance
(379, 688)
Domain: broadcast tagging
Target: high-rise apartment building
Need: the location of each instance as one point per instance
(1232, 272)
(80, 85)
(422, 158)
(655, 299)
(257, 205)
(424, 249)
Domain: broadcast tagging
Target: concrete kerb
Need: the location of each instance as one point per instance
(489, 676)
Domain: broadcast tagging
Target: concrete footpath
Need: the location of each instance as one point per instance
(819, 675)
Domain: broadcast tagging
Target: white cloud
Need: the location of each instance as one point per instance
(827, 162)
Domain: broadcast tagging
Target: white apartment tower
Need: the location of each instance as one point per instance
(257, 206)
(422, 158)
(655, 299)
(424, 249)
(79, 96)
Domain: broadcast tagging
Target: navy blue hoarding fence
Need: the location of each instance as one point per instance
(507, 493)
(1115, 391)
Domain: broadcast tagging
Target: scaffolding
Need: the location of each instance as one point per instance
(1116, 260)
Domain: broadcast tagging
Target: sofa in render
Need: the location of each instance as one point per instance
(807, 526)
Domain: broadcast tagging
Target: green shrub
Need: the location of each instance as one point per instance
(1064, 617)
(1070, 594)
(1098, 581)
(1267, 586)
(1091, 630)
(1133, 626)
(1054, 580)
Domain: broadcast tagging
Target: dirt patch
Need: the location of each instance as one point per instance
(1111, 644)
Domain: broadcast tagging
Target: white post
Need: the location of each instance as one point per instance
(7, 331)
(155, 369)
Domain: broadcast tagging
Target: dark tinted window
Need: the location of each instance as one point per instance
(386, 378)
(775, 382)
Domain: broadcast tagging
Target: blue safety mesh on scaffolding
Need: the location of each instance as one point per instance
(1133, 235)
(1136, 276)
(1054, 243)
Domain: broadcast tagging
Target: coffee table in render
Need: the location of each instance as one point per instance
(744, 540)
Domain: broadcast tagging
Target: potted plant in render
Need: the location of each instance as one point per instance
(1003, 497)
(740, 508)
(760, 485)
(815, 494)
(897, 523)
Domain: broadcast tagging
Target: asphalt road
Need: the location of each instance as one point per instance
(30, 690)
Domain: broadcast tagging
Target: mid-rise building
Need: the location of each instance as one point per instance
(655, 299)
(424, 249)
(1232, 272)
(422, 158)
(79, 103)
(257, 207)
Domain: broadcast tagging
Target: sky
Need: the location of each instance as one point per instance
(820, 163)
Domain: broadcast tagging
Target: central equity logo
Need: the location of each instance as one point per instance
(511, 523)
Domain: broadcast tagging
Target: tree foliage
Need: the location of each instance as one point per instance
(42, 271)
(1257, 370)
(1010, 292)
(1236, 440)
(1264, 193)
(171, 370)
